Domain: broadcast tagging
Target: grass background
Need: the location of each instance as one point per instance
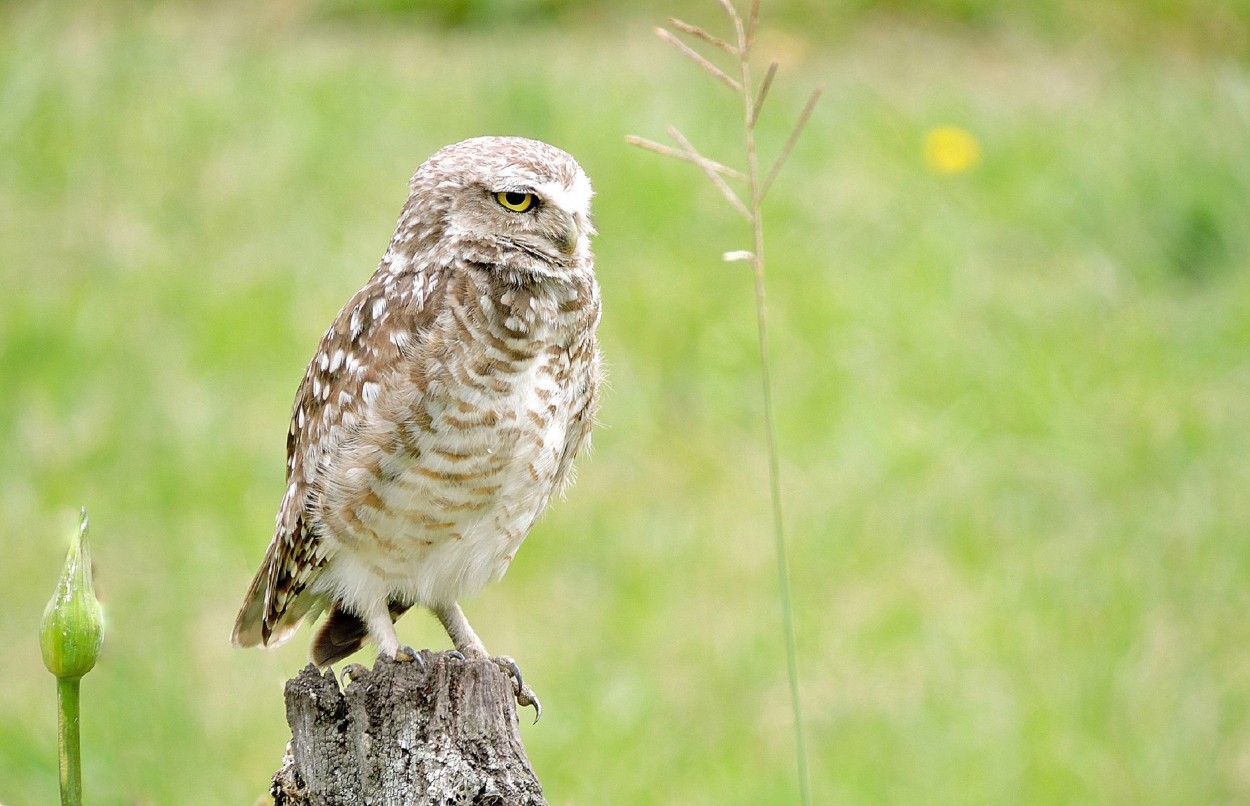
(1014, 402)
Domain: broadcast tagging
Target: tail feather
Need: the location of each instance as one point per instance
(343, 633)
(249, 627)
(258, 626)
(340, 635)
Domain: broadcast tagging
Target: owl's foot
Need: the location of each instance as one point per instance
(406, 654)
(524, 694)
(350, 671)
(468, 645)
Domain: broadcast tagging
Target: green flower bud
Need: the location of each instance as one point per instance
(73, 623)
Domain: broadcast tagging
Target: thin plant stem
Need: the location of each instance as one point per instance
(757, 189)
(794, 136)
(68, 746)
(689, 53)
(750, 111)
(696, 31)
(761, 95)
(702, 162)
(715, 179)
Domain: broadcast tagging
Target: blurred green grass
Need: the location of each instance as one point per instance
(1013, 401)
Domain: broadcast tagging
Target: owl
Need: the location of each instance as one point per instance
(443, 408)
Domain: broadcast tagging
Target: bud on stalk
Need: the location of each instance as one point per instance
(71, 638)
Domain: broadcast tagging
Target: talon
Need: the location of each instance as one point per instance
(524, 694)
(406, 654)
(351, 671)
(510, 666)
(455, 654)
(526, 697)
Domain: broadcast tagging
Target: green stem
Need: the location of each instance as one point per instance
(67, 724)
(770, 421)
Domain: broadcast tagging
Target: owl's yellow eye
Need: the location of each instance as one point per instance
(516, 202)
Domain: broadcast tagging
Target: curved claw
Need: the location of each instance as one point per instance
(524, 694)
(509, 666)
(350, 672)
(406, 654)
(526, 697)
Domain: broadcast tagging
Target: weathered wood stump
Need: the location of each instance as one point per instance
(400, 734)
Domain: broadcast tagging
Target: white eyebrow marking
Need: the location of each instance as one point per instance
(573, 198)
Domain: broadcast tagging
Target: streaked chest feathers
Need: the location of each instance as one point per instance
(459, 449)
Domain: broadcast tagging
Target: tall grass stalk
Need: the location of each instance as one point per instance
(752, 103)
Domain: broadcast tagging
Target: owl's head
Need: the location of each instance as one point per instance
(505, 202)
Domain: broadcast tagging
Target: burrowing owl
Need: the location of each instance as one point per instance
(443, 408)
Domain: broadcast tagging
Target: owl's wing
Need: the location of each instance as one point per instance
(370, 334)
(585, 405)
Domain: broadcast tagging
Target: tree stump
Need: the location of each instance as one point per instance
(400, 734)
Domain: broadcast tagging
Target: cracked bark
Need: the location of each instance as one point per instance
(401, 735)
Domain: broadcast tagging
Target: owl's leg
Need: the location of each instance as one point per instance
(381, 626)
(469, 645)
(458, 629)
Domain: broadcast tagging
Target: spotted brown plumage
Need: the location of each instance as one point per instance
(443, 408)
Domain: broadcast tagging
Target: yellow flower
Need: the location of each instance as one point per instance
(950, 150)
